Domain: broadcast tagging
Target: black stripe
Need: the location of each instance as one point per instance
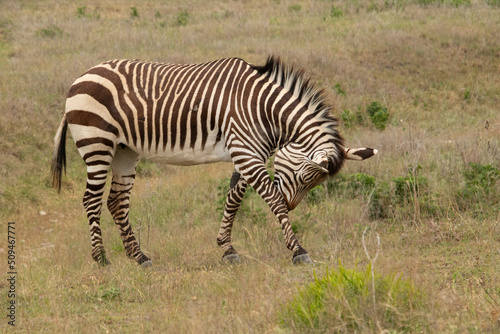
(95, 140)
(85, 118)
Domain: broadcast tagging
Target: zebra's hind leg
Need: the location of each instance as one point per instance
(97, 170)
(123, 168)
(233, 201)
(92, 201)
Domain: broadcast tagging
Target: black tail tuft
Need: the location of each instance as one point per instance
(59, 155)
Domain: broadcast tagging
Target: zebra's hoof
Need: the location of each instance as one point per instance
(104, 262)
(302, 259)
(147, 264)
(231, 258)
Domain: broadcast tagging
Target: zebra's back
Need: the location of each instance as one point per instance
(165, 112)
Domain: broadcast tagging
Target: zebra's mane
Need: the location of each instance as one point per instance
(294, 80)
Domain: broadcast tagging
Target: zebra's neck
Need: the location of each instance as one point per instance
(298, 106)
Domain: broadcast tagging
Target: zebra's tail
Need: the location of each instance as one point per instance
(59, 155)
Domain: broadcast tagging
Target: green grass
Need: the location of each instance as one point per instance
(432, 64)
(345, 301)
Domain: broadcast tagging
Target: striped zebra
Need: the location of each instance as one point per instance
(224, 110)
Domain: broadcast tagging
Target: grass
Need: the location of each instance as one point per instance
(341, 301)
(433, 65)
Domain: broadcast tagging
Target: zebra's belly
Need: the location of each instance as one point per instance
(190, 156)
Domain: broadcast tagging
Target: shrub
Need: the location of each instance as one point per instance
(342, 300)
(480, 187)
(348, 118)
(146, 168)
(413, 195)
(410, 192)
(107, 294)
(51, 32)
(338, 89)
(351, 186)
(316, 195)
(182, 18)
(481, 179)
(134, 13)
(222, 190)
(381, 201)
(83, 13)
(378, 114)
(411, 185)
(294, 8)
(379, 194)
(458, 3)
(336, 12)
(467, 95)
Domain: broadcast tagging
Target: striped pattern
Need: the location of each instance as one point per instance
(224, 110)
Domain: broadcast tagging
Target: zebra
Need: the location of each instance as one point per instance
(186, 114)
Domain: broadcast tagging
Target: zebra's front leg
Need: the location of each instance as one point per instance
(262, 183)
(299, 254)
(123, 168)
(235, 195)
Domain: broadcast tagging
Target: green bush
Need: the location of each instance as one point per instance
(480, 187)
(352, 185)
(348, 118)
(336, 12)
(411, 185)
(182, 18)
(146, 168)
(493, 2)
(316, 195)
(107, 294)
(83, 13)
(134, 13)
(222, 190)
(51, 32)
(413, 196)
(378, 194)
(481, 179)
(338, 89)
(406, 195)
(342, 301)
(381, 201)
(294, 8)
(378, 114)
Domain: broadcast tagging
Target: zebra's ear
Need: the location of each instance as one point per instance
(359, 153)
(320, 163)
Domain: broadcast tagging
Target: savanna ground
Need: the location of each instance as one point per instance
(435, 66)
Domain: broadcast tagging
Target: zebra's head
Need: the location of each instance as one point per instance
(297, 172)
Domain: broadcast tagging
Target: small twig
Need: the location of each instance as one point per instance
(372, 262)
(481, 282)
(416, 195)
(367, 206)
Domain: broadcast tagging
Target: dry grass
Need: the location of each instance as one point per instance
(433, 64)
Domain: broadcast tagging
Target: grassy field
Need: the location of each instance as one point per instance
(431, 193)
